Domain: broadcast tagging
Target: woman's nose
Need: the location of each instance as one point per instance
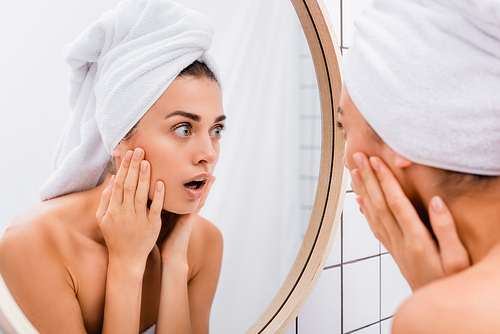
(206, 152)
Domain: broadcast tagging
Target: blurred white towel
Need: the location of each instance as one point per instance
(425, 74)
(150, 330)
(120, 66)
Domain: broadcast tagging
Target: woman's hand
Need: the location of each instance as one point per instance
(129, 228)
(395, 222)
(181, 310)
(174, 247)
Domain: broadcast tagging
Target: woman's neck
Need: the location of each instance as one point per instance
(478, 221)
(477, 216)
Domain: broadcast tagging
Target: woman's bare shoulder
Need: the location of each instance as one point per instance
(205, 245)
(461, 303)
(33, 233)
(41, 233)
(207, 231)
(34, 265)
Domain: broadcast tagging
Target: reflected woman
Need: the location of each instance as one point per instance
(420, 114)
(117, 245)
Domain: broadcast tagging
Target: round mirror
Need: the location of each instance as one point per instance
(277, 225)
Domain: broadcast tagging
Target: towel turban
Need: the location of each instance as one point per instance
(119, 67)
(425, 74)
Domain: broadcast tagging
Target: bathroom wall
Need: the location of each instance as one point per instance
(361, 286)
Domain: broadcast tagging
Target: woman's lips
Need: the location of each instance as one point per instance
(196, 193)
(196, 186)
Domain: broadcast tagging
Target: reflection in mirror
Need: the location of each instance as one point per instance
(268, 167)
(272, 150)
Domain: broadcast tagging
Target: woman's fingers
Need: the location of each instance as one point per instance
(375, 208)
(157, 204)
(119, 182)
(105, 199)
(454, 256)
(205, 194)
(142, 193)
(400, 206)
(130, 185)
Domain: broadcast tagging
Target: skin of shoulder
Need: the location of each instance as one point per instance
(33, 262)
(205, 260)
(35, 235)
(465, 302)
(205, 246)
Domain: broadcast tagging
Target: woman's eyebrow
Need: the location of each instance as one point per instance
(189, 115)
(220, 118)
(192, 116)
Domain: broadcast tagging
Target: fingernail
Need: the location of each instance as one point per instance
(111, 180)
(437, 204)
(128, 156)
(374, 163)
(137, 153)
(144, 166)
(355, 176)
(358, 160)
(159, 185)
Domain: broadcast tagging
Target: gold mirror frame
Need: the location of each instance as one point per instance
(329, 200)
(328, 203)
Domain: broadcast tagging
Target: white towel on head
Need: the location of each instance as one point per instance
(425, 74)
(119, 67)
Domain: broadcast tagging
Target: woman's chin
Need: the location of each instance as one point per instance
(181, 208)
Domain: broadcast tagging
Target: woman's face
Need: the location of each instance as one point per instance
(358, 135)
(180, 135)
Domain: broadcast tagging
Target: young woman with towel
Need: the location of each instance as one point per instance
(420, 111)
(117, 245)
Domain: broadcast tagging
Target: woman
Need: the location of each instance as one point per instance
(420, 114)
(117, 245)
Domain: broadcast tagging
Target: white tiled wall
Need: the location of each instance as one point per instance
(322, 312)
(361, 286)
(359, 241)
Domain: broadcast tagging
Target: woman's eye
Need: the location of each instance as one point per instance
(217, 131)
(341, 126)
(183, 131)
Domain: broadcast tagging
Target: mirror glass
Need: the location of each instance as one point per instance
(270, 152)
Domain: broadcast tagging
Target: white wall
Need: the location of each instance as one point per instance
(33, 91)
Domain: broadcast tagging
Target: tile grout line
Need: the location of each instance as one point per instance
(373, 323)
(363, 327)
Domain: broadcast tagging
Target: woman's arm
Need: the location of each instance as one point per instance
(202, 287)
(395, 222)
(185, 303)
(185, 306)
(130, 231)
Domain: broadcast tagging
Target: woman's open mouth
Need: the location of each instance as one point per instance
(195, 184)
(196, 187)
